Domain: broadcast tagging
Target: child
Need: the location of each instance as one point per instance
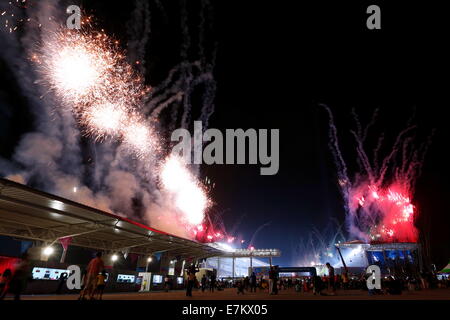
(101, 281)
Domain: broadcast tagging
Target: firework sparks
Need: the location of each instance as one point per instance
(387, 212)
(190, 197)
(104, 120)
(89, 73)
(85, 73)
(378, 199)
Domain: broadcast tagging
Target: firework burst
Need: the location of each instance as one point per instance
(88, 72)
(190, 197)
(378, 199)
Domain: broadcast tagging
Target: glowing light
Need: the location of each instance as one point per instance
(190, 197)
(48, 251)
(104, 119)
(91, 76)
(230, 239)
(75, 69)
(114, 257)
(149, 259)
(393, 209)
(225, 246)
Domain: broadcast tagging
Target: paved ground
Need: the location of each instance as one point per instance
(231, 294)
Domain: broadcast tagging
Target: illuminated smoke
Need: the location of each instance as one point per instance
(88, 87)
(189, 195)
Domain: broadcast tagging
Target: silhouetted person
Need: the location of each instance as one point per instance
(19, 277)
(101, 284)
(204, 282)
(4, 282)
(331, 284)
(253, 282)
(318, 285)
(240, 287)
(167, 283)
(212, 282)
(191, 280)
(94, 267)
(62, 281)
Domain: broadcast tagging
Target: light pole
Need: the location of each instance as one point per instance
(149, 259)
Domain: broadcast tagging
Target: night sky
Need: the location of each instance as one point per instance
(276, 63)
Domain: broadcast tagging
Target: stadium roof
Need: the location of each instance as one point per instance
(31, 214)
(256, 253)
(379, 246)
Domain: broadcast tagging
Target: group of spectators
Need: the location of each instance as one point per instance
(94, 279)
(207, 283)
(14, 280)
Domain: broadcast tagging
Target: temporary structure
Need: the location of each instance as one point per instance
(446, 269)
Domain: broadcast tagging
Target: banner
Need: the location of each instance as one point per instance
(65, 242)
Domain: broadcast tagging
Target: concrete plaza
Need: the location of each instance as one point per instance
(231, 294)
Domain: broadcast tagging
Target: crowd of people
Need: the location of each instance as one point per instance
(331, 282)
(13, 281)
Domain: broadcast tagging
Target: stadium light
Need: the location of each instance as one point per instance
(48, 250)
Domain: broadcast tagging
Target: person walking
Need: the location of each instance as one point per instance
(253, 282)
(331, 283)
(203, 281)
(246, 283)
(271, 280)
(94, 267)
(240, 287)
(4, 283)
(275, 280)
(345, 280)
(82, 284)
(101, 283)
(317, 286)
(62, 280)
(19, 277)
(212, 283)
(191, 280)
(166, 283)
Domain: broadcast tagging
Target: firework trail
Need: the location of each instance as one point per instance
(250, 245)
(90, 91)
(378, 198)
(318, 247)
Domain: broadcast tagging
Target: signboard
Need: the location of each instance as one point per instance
(260, 271)
(125, 278)
(48, 273)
